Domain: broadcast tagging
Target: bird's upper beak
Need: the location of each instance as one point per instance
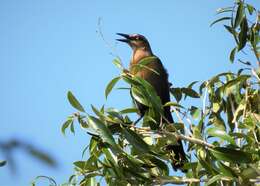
(126, 39)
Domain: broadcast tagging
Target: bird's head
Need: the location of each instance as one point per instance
(135, 41)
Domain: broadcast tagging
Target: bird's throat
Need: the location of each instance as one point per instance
(139, 54)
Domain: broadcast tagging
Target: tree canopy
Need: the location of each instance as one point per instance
(221, 137)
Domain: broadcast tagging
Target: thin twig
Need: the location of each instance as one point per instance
(181, 121)
(162, 132)
(110, 46)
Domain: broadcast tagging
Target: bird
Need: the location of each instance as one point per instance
(159, 81)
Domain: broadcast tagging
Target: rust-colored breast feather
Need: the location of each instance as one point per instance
(158, 81)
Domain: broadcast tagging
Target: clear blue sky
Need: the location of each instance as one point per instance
(49, 47)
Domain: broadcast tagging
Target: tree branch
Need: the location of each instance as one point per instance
(180, 180)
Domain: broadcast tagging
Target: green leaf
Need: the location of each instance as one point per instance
(160, 164)
(72, 128)
(118, 63)
(97, 112)
(230, 30)
(74, 102)
(250, 9)
(190, 92)
(129, 110)
(229, 86)
(102, 130)
(232, 55)
(226, 170)
(144, 63)
(223, 10)
(216, 106)
(214, 179)
(66, 125)
(135, 140)
(195, 112)
(115, 113)
(250, 172)
(2, 163)
(231, 155)
(88, 182)
(242, 36)
(110, 85)
(176, 92)
(216, 132)
(138, 96)
(220, 19)
(239, 14)
(192, 83)
(172, 104)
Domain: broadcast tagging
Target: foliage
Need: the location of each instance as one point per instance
(222, 137)
(8, 148)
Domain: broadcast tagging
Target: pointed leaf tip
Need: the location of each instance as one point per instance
(74, 102)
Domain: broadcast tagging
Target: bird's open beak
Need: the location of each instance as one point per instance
(126, 39)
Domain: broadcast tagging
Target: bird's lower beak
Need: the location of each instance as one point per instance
(126, 38)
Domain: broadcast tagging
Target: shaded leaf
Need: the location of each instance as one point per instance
(72, 128)
(250, 172)
(242, 36)
(220, 19)
(239, 14)
(231, 155)
(195, 112)
(135, 140)
(226, 170)
(190, 92)
(176, 92)
(2, 163)
(232, 55)
(104, 132)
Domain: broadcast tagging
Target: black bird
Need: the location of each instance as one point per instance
(141, 49)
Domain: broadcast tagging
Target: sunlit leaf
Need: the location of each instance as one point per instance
(216, 132)
(250, 9)
(65, 125)
(118, 63)
(110, 85)
(129, 110)
(74, 102)
(214, 179)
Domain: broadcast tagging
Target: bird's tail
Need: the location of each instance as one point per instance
(177, 156)
(176, 152)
